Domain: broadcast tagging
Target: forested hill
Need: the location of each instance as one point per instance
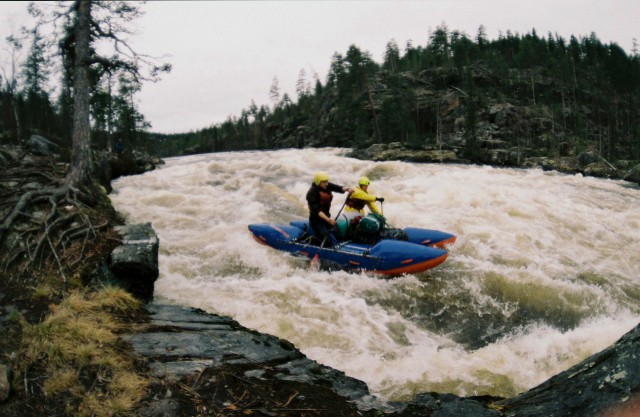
(526, 95)
(545, 96)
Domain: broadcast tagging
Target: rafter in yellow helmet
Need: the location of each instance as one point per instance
(320, 176)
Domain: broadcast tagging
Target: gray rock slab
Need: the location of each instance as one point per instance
(309, 371)
(182, 341)
(219, 345)
(178, 369)
(600, 382)
(186, 317)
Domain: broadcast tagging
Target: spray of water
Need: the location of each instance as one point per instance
(544, 272)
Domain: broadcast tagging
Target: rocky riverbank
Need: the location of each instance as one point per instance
(232, 370)
(498, 153)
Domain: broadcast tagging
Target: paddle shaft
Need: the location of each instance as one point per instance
(337, 215)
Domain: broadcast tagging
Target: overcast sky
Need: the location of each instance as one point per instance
(225, 54)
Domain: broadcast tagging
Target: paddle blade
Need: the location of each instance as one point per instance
(314, 261)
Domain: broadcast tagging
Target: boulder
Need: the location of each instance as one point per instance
(600, 170)
(135, 263)
(42, 146)
(564, 164)
(594, 165)
(601, 382)
(624, 164)
(132, 163)
(182, 342)
(633, 175)
(587, 158)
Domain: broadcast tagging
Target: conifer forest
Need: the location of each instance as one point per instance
(563, 96)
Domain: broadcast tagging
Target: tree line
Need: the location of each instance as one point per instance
(37, 90)
(570, 94)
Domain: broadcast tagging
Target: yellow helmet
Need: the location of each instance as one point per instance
(363, 181)
(320, 176)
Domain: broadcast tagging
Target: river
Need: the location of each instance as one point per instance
(544, 272)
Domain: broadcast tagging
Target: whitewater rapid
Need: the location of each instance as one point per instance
(544, 272)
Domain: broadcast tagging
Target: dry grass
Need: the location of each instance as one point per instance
(77, 344)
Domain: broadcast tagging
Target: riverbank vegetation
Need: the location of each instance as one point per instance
(77, 353)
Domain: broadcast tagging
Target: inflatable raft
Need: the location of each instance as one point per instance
(423, 248)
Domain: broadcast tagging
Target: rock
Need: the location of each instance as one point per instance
(165, 407)
(182, 341)
(601, 170)
(132, 163)
(397, 151)
(624, 164)
(41, 146)
(633, 175)
(500, 113)
(449, 405)
(135, 262)
(599, 383)
(567, 165)
(144, 162)
(587, 158)
(5, 382)
(450, 102)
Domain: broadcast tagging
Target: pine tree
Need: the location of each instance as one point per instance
(36, 70)
(12, 76)
(302, 86)
(391, 57)
(86, 23)
(274, 92)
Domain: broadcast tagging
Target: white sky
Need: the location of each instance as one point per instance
(225, 54)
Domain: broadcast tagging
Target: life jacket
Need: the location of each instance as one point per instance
(325, 201)
(355, 203)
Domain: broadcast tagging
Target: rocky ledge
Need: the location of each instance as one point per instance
(188, 346)
(183, 344)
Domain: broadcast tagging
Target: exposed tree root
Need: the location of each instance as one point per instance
(44, 222)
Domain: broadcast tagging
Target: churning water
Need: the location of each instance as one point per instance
(544, 272)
